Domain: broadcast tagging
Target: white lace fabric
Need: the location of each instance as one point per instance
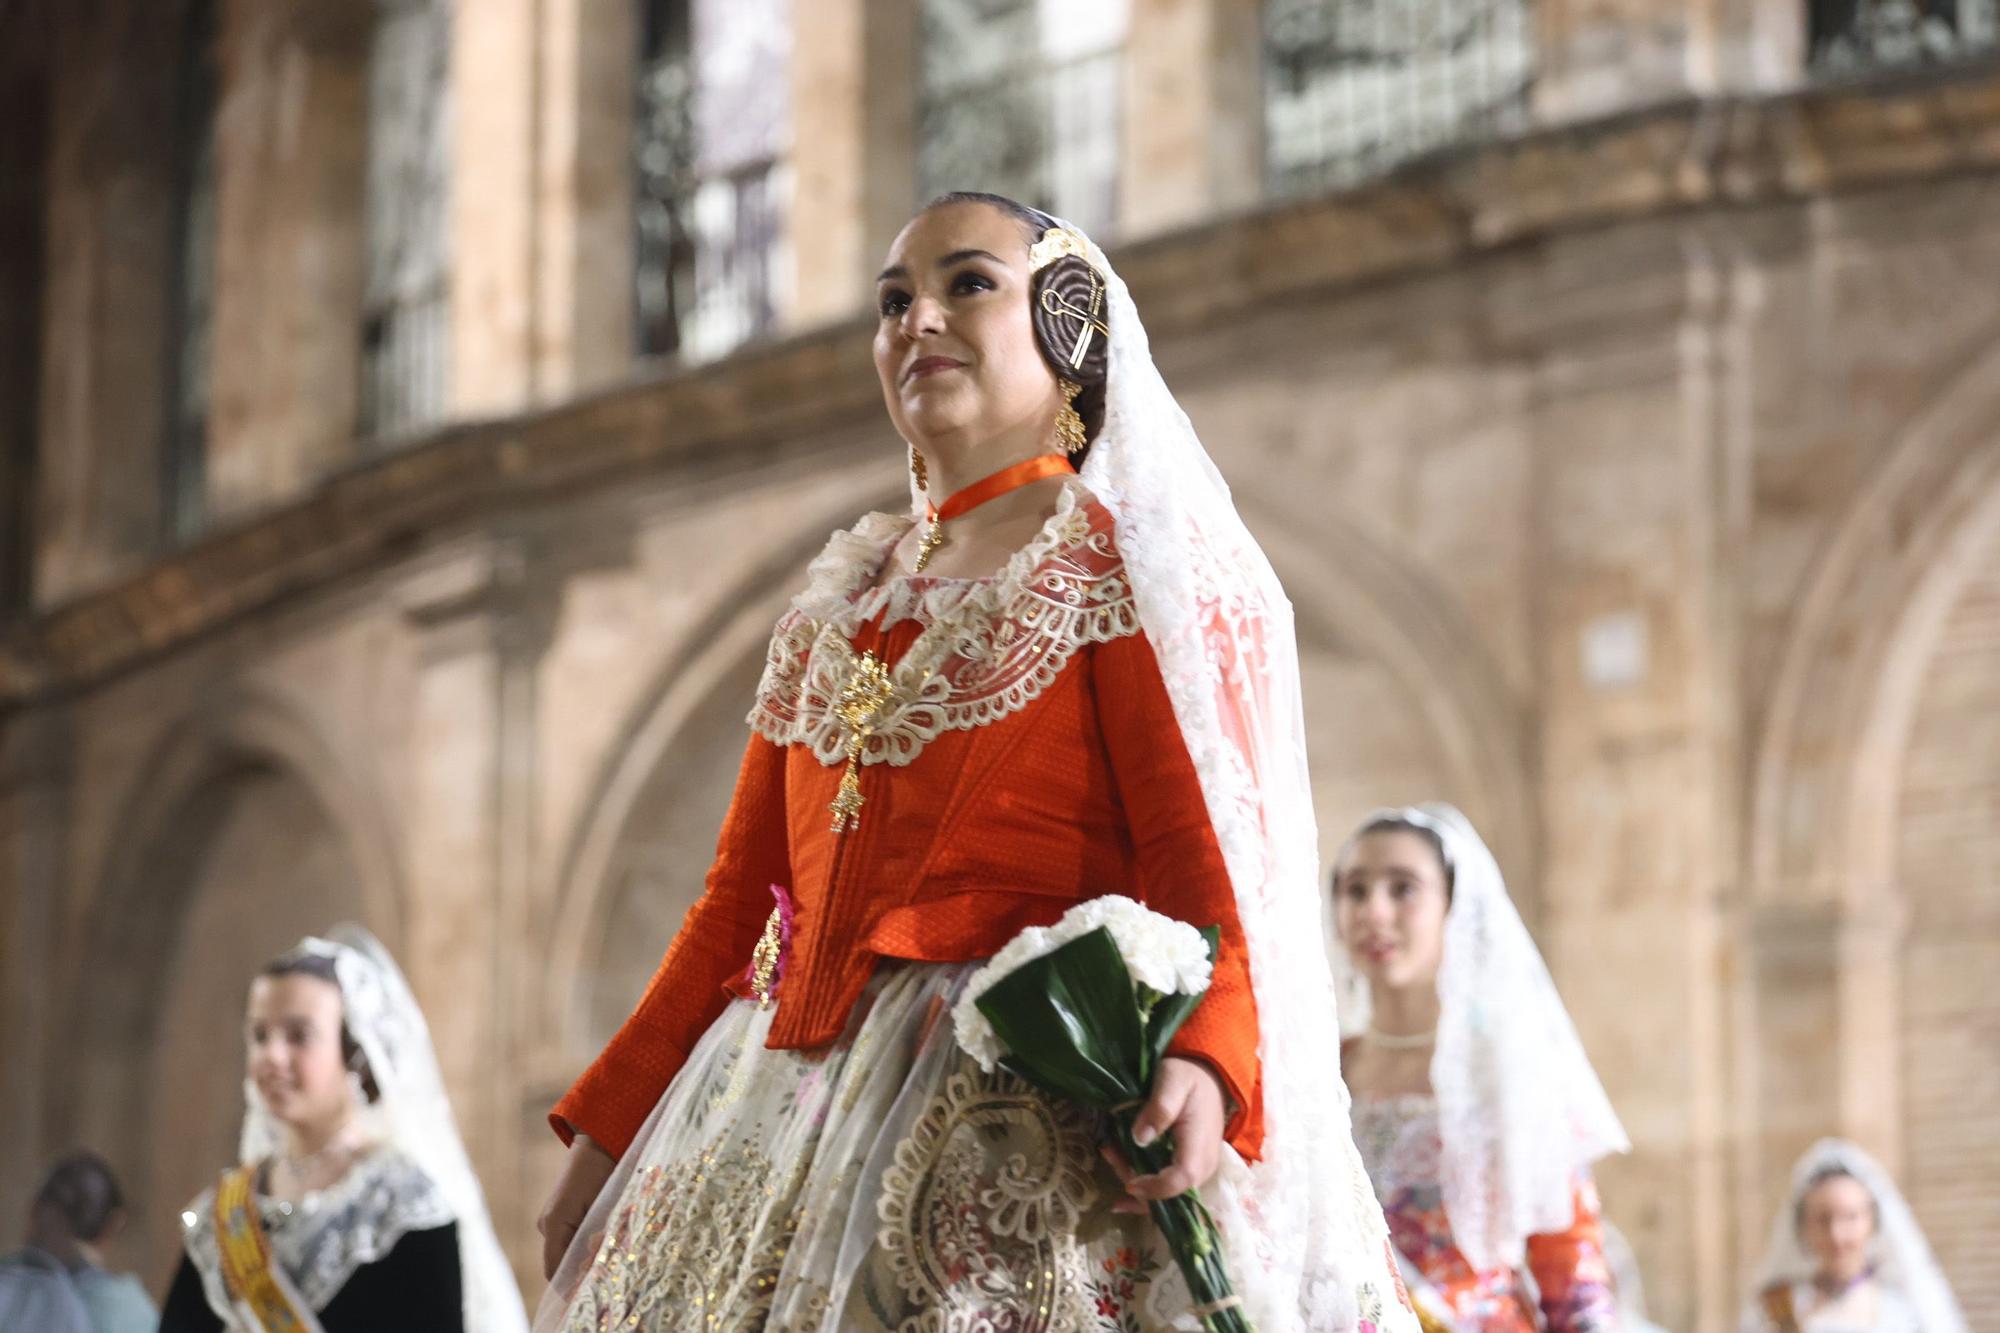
(1310, 1243)
(1902, 1256)
(325, 1237)
(989, 647)
(413, 1116)
(1520, 1110)
(1400, 1143)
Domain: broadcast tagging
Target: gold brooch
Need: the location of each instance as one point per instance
(867, 692)
(1055, 243)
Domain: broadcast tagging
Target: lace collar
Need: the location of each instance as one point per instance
(323, 1238)
(988, 647)
(837, 591)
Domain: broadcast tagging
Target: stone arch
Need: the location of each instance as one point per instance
(235, 797)
(707, 677)
(1345, 585)
(1826, 906)
(1948, 875)
(1853, 660)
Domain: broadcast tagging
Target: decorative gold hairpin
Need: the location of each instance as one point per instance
(1087, 321)
(1055, 243)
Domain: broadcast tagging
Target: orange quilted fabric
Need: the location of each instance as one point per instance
(1087, 790)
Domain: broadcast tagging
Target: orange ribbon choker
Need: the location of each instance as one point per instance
(979, 492)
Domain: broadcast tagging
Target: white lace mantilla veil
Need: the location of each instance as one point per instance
(412, 1115)
(1903, 1258)
(1221, 627)
(1520, 1110)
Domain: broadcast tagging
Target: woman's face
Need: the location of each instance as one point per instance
(293, 1031)
(1390, 901)
(954, 347)
(1837, 1222)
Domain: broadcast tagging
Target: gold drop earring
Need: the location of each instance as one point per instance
(1069, 423)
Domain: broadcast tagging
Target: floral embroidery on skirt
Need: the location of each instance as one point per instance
(884, 1184)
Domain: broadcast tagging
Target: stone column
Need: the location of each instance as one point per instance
(1639, 780)
(36, 765)
(1826, 1044)
(485, 621)
(493, 114)
(24, 135)
(109, 194)
(854, 85)
(1194, 113)
(290, 249)
(582, 331)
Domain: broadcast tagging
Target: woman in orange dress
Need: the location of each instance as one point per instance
(1475, 1107)
(1034, 689)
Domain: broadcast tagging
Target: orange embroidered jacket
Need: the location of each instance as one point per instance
(1018, 755)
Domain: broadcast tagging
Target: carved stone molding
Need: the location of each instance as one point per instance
(1682, 158)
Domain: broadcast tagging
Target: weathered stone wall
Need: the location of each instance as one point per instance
(1635, 485)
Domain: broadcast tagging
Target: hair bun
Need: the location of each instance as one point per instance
(1070, 312)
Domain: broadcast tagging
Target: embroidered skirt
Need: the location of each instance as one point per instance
(883, 1183)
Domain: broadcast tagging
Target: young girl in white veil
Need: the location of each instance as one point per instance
(1847, 1256)
(1476, 1109)
(353, 1208)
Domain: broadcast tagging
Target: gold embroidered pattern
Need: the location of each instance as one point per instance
(980, 1210)
(246, 1254)
(990, 648)
(675, 1257)
(764, 958)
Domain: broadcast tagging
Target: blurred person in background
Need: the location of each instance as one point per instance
(58, 1283)
(1475, 1107)
(353, 1207)
(1847, 1256)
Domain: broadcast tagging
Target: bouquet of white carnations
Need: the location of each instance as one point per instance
(1086, 1009)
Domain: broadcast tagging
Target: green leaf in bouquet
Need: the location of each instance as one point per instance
(1070, 1021)
(1173, 1010)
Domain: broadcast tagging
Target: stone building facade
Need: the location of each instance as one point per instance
(1633, 464)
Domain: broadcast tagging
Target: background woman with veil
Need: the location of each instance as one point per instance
(1476, 1109)
(1032, 689)
(1846, 1255)
(353, 1206)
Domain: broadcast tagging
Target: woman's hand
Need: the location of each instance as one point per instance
(1187, 1102)
(583, 1176)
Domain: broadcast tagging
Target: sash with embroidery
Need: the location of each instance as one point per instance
(258, 1287)
(1778, 1309)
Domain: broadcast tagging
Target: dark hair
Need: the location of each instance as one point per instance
(82, 1191)
(1391, 824)
(306, 963)
(1075, 282)
(1831, 1171)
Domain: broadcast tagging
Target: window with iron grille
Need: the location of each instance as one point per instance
(710, 173)
(405, 312)
(1851, 36)
(189, 349)
(1352, 88)
(1024, 98)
